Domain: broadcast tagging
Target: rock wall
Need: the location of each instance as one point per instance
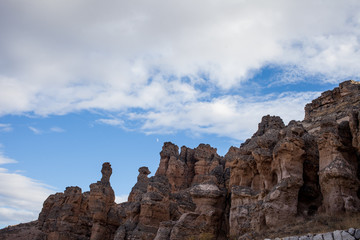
(268, 183)
(281, 174)
(335, 104)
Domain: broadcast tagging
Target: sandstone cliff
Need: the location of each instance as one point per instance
(283, 173)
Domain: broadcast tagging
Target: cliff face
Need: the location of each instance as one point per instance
(336, 104)
(282, 173)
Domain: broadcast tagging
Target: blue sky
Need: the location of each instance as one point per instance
(84, 82)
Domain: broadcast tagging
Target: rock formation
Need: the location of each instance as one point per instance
(282, 173)
(74, 215)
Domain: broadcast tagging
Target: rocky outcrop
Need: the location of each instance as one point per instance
(76, 215)
(65, 215)
(207, 217)
(101, 206)
(267, 175)
(282, 174)
(23, 231)
(338, 164)
(188, 187)
(336, 104)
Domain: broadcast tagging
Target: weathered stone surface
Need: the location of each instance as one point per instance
(77, 215)
(198, 172)
(336, 104)
(328, 236)
(337, 235)
(357, 234)
(164, 230)
(351, 231)
(24, 231)
(65, 215)
(267, 174)
(318, 237)
(338, 165)
(141, 186)
(346, 236)
(101, 200)
(293, 238)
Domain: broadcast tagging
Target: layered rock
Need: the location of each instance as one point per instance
(207, 218)
(76, 215)
(281, 174)
(23, 231)
(338, 163)
(65, 215)
(336, 104)
(266, 177)
(187, 187)
(101, 206)
(191, 166)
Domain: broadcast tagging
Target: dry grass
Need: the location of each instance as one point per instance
(203, 236)
(317, 224)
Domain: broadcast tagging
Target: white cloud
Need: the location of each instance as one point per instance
(121, 199)
(57, 129)
(35, 130)
(10, 215)
(112, 121)
(5, 127)
(119, 56)
(38, 131)
(21, 197)
(4, 159)
(230, 116)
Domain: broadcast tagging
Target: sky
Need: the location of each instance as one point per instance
(84, 82)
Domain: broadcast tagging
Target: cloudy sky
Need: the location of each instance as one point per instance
(88, 81)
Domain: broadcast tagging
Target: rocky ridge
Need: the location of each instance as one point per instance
(281, 174)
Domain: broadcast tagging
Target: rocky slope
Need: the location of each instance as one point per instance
(279, 175)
